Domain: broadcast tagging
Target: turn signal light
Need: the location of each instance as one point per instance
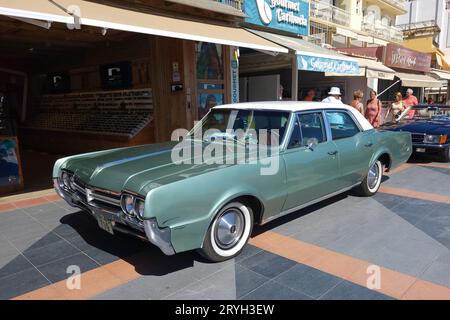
(443, 139)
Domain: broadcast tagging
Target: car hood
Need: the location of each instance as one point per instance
(434, 127)
(137, 169)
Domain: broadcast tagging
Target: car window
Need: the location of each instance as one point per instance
(342, 125)
(308, 128)
(296, 137)
(226, 121)
(312, 128)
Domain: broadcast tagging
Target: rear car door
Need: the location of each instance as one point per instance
(312, 166)
(354, 146)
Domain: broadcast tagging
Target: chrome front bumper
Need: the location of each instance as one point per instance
(149, 230)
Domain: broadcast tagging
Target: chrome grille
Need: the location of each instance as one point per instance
(100, 196)
(79, 188)
(97, 196)
(418, 137)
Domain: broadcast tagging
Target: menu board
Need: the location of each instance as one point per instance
(10, 167)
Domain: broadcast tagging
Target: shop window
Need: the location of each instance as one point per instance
(210, 76)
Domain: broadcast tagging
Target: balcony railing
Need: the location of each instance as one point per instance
(379, 30)
(326, 12)
(418, 25)
(237, 4)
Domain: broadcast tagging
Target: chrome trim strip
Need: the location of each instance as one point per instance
(286, 212)
(111, 201)
(79, 188)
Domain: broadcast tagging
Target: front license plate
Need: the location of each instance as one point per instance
(105, 224)
(421, 150)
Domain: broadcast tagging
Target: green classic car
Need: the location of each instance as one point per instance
(268, 159)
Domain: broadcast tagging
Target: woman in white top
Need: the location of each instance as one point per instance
(396, 108)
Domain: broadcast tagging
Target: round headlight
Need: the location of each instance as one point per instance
(128, 204)
(72, 182)
(140, 208)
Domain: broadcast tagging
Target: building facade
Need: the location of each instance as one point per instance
(356, 23)
(425, 27)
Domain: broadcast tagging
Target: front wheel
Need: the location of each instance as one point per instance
(228, 232)
(371, 183)
(446, 154)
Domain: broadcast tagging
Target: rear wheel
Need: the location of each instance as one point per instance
(371, 183)
(446, 154)
(228, 233)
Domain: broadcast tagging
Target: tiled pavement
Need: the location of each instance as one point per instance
(394, 230)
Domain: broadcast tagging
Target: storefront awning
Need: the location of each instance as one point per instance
(362, 38)
(108, 17)
(440, 74)
(442, 61)
(375, 69)
(426, 45)
(346, 32)
(418, 80)
(215, 6)
(370, 69)
(311, 57)
(34, 9)
(380, 42)
(103, 16)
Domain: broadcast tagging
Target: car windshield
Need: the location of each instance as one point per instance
(427, 113)
(248, 125)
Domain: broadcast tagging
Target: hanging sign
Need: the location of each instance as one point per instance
(287, 15)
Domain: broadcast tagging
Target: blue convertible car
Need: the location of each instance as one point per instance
(430, 129)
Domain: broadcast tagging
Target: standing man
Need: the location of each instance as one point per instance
(410, 101)
(334, 96)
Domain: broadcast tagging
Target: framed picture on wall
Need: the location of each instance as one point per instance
(116, 75)
(210, 66)
(11, 178)
(208, 101)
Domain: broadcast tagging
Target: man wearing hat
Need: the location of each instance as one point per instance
(334, 96)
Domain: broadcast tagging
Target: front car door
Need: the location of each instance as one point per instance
(355, 146)
(311, 161)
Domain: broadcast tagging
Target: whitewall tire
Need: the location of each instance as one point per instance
(228, 233)
(372, 182)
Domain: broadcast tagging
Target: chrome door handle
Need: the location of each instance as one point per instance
(368, 145)
(333, 153)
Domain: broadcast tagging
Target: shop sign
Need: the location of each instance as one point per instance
(404, 58)
(287, 15)
(329, 65)
(234, 76)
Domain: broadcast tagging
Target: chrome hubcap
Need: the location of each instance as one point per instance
(374, 175)
(229, 228)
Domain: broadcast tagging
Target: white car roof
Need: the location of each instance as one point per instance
(295, 106)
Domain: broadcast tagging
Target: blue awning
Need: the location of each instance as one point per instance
(317, 63)
(311, 57)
